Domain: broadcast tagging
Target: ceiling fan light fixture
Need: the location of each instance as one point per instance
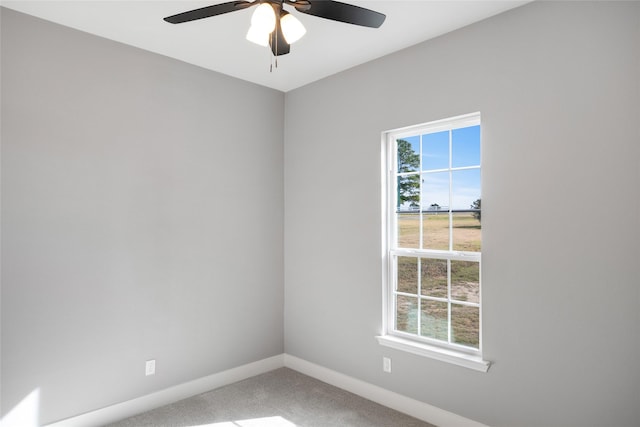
(264, 18)
(292, 28)
(258, 36)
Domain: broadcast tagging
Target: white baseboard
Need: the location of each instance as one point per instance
(422, 411)
(172, 394)
(415, 408)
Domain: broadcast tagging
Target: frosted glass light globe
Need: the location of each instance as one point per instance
(264, 18)
(292, 28)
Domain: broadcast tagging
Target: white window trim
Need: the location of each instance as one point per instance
(463, 357)
(433, 352)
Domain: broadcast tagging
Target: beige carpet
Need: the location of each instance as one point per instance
(280, 398)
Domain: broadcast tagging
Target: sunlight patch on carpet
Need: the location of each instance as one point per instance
(254, 422)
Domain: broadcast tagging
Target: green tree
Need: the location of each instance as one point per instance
(408, 185)
(476, 205)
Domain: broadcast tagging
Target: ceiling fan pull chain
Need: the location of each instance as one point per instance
(277, 37)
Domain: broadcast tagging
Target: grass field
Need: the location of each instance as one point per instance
(465, 278)
(466, 231)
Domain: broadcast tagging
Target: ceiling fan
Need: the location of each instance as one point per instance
(273, 26)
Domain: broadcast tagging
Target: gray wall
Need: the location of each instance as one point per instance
(141, 218)
(558, 86)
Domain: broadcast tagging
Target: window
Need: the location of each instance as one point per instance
(433, 241)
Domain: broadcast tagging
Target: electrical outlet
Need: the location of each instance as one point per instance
(150, 367)
(386, 364)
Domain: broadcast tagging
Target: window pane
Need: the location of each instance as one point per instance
(409, 230)
(467, 232)
(407, 314)
(433, 274)
(465, 281)
(435, 205)
(435, 191)
(435, 151)
(408, 275)
(465, 188)
(465, 325)
(465, 147)
(434, 320)
(409, 192)
(465, 198)
(436, 231)
(408, 154)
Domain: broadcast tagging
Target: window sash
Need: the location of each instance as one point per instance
(392, 294)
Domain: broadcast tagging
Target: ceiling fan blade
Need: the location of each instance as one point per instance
(342, 12)
(206, 12)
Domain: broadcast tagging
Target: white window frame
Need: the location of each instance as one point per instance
(444, 351)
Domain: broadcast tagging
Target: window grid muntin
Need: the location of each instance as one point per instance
(420, 253)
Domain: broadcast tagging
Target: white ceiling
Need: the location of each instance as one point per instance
(218, 43)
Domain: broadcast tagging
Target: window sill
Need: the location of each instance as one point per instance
(442, 354)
